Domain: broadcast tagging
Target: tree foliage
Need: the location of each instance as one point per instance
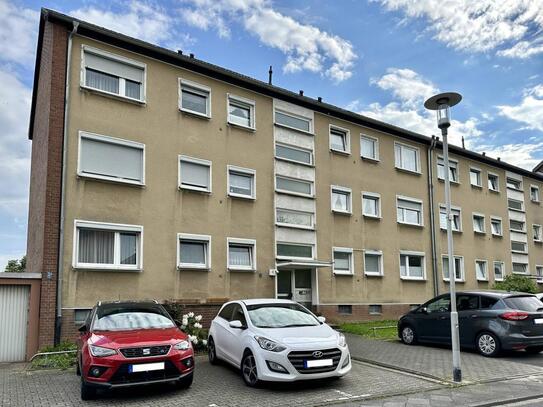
(516, 282)
(16, 266)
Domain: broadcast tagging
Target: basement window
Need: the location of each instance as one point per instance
(345, 309)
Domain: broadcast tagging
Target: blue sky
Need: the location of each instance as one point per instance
(377, 57)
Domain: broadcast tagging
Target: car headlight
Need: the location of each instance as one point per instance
(268, 344)
(100, 352)
(341, 341)
(183, 345)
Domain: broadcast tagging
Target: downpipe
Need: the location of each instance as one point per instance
(431, 148)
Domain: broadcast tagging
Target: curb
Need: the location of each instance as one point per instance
(508, 401)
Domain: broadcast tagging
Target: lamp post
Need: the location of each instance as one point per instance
(442, 104)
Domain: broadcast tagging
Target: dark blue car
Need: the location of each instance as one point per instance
(490, 321)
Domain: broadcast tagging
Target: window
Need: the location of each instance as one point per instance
(456, 219)
(441, 304)
(515, 205)
(343, 260)
(241, 182)
(375, 309)
(488, 302)
(294, 154)
(293, 250)
(341, 199)
(373, 262)
(409, 211)
(534, 193)
(498, 270)
(371, 205)
(340, 140)
(514, 184)
(194, 174)
(81, 315)
(369, 148)
(496, 226)
(113, 74)
(241, 254)
(516, 225)
(107, 246)
(481, 270)
(479, 223)
(293, 121)
(298, 219)
(111, 159)
(241, 112)
(458, 268)
(493, 182)
(453, 169)
(539, 274)
(345, 309)
(519, 247)
(194, 98)
(406, 157)
(520, 268)
(412, 266)
(538, 234)
(475, 177)
(226, 312)
(194, 251)
(293, 186)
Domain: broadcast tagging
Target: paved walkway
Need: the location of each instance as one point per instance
(436, 362)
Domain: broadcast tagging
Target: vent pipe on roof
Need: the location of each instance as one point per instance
(319, 99)
(301, 92)
(463, 143)
(191, 55)
(180, 51)
(484, 154)
(499, 158)
(270, 73)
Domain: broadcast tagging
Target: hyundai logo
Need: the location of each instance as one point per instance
(317, 354)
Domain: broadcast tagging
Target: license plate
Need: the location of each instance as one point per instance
(319, 363)
(146, 367)
(538, 320)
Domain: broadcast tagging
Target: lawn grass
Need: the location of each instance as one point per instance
(365, 330)
(57, 361)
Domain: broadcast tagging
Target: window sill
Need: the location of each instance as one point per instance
(195, 114)
(345, 213)
(367, 274)
(241, 269)
(287, 225)
(477, 186)
(340, 152)
(416, 225)
(538, 241)
(194, 189)
(107, 268)
(376, 217)
(412, 278)
(294, 162)
(535, 202)
(280, 191)
(514, 189)
(111, 180)
(518, 231)
(495, 235)
(407, 171)
(294, 129)
(478, 232)
(112, 95)
(193, 268)
(447, 280)
(451, 181)
(519, 252)
(496, 191)
(498, 279)
(516, 210)
(343, 273)
(370, 159)
(454, 230)
(241, 127)
(482, 280)
(243, 197)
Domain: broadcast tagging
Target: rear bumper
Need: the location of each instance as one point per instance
(519, 341)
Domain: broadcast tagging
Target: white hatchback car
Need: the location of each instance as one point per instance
(277, 340)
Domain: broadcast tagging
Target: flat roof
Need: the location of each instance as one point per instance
(205, 68)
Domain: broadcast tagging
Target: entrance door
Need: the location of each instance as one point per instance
(295, 285)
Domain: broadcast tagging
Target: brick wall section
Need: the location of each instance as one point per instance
(46, 174)
(360, 313)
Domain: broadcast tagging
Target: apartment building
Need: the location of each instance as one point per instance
(158, 175)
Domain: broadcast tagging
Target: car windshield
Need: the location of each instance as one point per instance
(121, 318)
(524, 303)
(280, 316)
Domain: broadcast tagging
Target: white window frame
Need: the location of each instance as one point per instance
(345, 190)
(538, 278)
(118, 228)
(525, 251)
(406, 198)
(347, 133)
(496, 218)
(296, 116)
(527, 270)
(502, 268)
(414, 254)
(194, 160)
(535, 188)
(247, 103)
(348, 250)
(199, 88)
(540, 227)
(295, 226)
(120, 59)
(378, 253)
(281, 257)
(241, 171)
(479, 215)
(287, 192)
(378, 199)
(245, 242)
(523, 230)
(523, 208)
(462, 269)
(79, 322)
(196, 238)
(478, 171)
(417, 158)
(453, 210)
(456, 167)
(515, 180)
(486, 269)
(293, 147)
(111, 140)
(489, 174)
(375, 140)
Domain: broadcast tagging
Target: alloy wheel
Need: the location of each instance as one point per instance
(408, 335)
(211, 353)
(487, 344)
(249, 370)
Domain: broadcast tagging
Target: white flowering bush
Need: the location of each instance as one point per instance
(192, 326)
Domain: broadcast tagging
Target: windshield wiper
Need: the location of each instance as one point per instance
(295, 325)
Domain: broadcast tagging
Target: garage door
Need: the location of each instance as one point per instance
(13, 322)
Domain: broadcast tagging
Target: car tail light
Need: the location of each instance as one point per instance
(514, 316)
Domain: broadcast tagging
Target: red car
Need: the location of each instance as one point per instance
(132, 343)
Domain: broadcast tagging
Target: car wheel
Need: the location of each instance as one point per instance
(212, 351)
(185, 382)
(533, 350)
(87, 392)
(487, 344)
(77, 368)
(408, 335)
(248, 370)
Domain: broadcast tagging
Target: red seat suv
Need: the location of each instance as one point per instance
(132, 343)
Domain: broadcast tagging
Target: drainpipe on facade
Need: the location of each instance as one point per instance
(60, 268)
(431, 148)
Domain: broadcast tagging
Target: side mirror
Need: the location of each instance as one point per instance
(322, 320)
(236, 324)
(83, 328)
(424, 310)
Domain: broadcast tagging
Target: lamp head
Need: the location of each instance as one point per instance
(441, 104)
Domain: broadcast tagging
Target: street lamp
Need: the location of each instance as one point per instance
(442, 104)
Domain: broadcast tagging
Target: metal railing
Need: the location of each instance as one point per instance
(375, 328)
(51, 353)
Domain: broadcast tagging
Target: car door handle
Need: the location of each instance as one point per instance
(443, 317)
(475, 316)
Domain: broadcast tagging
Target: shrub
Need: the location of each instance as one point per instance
(189, 323)
(56, 361)
(516, 282)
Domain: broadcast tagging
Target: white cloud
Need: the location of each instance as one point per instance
(18, 33)
(522, 155)
(406, 85)
(479, 26)
(529, 111)
(306, 47)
